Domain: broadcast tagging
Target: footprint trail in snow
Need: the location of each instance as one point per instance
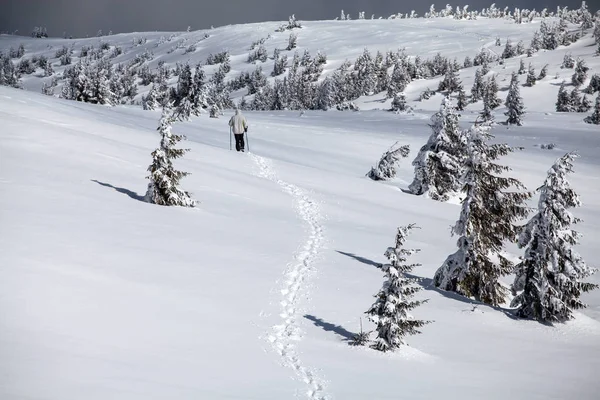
(284, 335)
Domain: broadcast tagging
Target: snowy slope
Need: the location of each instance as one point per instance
(340, 41)
(105, 296)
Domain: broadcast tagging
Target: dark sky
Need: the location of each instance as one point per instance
(86, 17)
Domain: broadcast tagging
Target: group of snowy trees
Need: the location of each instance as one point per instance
(581, 15)
(549, 279)
(573, 101)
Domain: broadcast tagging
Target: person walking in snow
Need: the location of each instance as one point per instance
(239, 125)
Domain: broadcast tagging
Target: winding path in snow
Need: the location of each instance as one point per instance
(283, 336)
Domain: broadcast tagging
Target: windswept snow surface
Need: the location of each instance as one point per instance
(105, 296)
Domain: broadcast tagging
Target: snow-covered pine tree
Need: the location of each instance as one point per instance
(595, 117)
(450, 82)
(279, 63)
(478, 87)
(488, 216)
(468, 63)
(151, 100)
(163, 188)
(580, 74)
(491, 91)
(509, 50)
(486, 113)
(514, 102)
(292, 41)
(390, 312)
(531, 78)
(575, 99)
(585, 106)
(551, 273)
(594, 85)
(543, 72)
(568, 61)
(563, 102)
(438, 164)
(461, 99)
(399, 80)
(521, 67)
(386, 167)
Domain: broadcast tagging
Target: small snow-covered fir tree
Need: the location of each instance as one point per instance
(151, 100)
(461, 99)
(163, 188)
(438, 164)
(521, 67)
(514, 102)
(399, 80)
(585, 105)
(487, 219)
(531, 78)
(491, 91)
(399, 103)
(386, 167)
(595, 117)
(450, 83)
(543, 72)
(580, 74)
(477, 90)
(563, 101)
(390, 312)
(509, 50)
(551, 273)
(486, 113)
(568, 61)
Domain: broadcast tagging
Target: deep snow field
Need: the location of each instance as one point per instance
(254, 293)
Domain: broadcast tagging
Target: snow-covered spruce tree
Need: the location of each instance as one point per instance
(509, 50)
(438, 164)
(551, 273)
(568, 61)
(580, 74)
(486, 113)
(543, 72)
(477, 90)
(399, 80)
(487, 219)
(292, 41)
(386, 167)
(585, 105)
(521, 67)
(514, 102)
(163, 188)
(595, 117)
(390, 312)
(450, 83)
(461, 99)
(531, 78)
(399, 103)
(151, 100)
(491, 91)
(563, 101)
(594, 85)
(575, 99)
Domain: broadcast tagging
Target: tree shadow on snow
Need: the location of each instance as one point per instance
(427, 284)
(128, 192)
(329, 327)
(361, 259)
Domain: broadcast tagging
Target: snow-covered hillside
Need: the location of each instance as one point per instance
(340, 41)
(256, 292)
(106, 296)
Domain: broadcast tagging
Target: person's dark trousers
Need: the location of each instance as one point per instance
(239, 141)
